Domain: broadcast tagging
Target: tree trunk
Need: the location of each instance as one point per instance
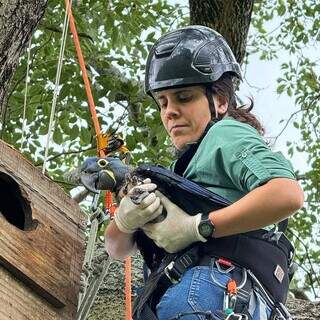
(231, 18)
(18, 19)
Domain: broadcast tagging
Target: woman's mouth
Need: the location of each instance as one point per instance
(177, 128)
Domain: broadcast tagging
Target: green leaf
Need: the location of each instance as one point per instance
(57, 136)
(281, 88)
(281, 9)
(74, 132)
(85, 136)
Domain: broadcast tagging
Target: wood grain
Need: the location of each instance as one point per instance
(47, 259)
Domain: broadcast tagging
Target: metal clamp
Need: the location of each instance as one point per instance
(167, 271)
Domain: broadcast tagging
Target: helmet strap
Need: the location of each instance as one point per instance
(215, 116)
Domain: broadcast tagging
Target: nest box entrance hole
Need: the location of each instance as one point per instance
(14, 206)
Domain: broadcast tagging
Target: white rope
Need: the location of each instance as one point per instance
(56, 88)
(25, 96)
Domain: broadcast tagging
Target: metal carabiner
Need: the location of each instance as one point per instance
(95, 201)
(236, 316)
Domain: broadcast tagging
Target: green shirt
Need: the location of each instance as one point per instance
(233, 159)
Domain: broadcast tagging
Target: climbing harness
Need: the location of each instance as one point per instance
(237, 291)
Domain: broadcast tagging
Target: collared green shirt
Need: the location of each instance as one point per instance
(233, 159)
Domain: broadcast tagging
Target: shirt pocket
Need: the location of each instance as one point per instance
(253, 173)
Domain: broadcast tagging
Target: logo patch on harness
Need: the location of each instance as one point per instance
(278, 273)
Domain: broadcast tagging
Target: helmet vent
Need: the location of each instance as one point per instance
(166, 47)
(204, 69)
(210, 53)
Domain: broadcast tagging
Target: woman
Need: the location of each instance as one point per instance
(190, 73)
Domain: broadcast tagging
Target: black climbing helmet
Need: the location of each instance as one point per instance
(188, 56)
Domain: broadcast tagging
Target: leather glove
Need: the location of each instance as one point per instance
(130, 216)
(177, 230)
(103, 174)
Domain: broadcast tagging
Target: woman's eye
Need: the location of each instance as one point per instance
(184, 98)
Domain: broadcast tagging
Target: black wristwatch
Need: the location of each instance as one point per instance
(206, 227)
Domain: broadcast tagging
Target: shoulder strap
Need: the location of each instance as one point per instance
(186, 156)
(282, 226)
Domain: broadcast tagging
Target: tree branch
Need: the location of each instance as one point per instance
(57, 30)
(286, 124)
(40, 163)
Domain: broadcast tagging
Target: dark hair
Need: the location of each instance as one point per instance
(224, 87)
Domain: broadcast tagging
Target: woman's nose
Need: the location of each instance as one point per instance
(172, 110)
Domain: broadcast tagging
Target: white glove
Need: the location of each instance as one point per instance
(177, 230)
(129, 216)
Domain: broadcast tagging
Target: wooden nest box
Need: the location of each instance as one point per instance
(41, 243)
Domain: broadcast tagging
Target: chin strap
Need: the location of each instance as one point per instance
(214, 114)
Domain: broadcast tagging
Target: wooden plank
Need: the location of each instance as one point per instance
(19, 302)
(49, 258)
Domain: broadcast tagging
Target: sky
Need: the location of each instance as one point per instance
(270, 107)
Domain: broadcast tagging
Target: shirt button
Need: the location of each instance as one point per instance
(244, 154)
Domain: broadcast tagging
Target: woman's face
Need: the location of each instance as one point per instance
(185, 113)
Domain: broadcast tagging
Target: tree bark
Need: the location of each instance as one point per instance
(18, 19)
(231, 18)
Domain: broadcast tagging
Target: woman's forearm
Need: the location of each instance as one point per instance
(119, 245)
(273, 202)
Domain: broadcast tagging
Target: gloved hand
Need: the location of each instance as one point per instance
(103, 174)
(177, 230)
(130, 216)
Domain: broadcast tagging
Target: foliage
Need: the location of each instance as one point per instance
(115, 40)
(115, 37)
(297, 33)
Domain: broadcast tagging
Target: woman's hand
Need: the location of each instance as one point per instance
(130, 216)
(177, 230)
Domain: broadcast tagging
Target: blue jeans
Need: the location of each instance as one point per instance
(198, 292)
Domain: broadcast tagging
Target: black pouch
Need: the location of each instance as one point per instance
(266, 258)
(269, 264)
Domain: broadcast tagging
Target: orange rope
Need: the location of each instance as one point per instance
(84, 74)
(127, 287)
(101, 153)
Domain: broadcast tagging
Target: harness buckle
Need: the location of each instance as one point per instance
(176, 268)
(167, 271)
(224, 265)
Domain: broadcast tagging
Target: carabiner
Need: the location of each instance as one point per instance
(236, 316)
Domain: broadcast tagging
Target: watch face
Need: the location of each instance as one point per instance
(206, 228)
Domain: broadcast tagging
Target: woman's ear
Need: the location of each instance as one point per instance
(221, 104)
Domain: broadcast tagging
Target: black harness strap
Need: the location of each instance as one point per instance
(186, 156)
(170, 271)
